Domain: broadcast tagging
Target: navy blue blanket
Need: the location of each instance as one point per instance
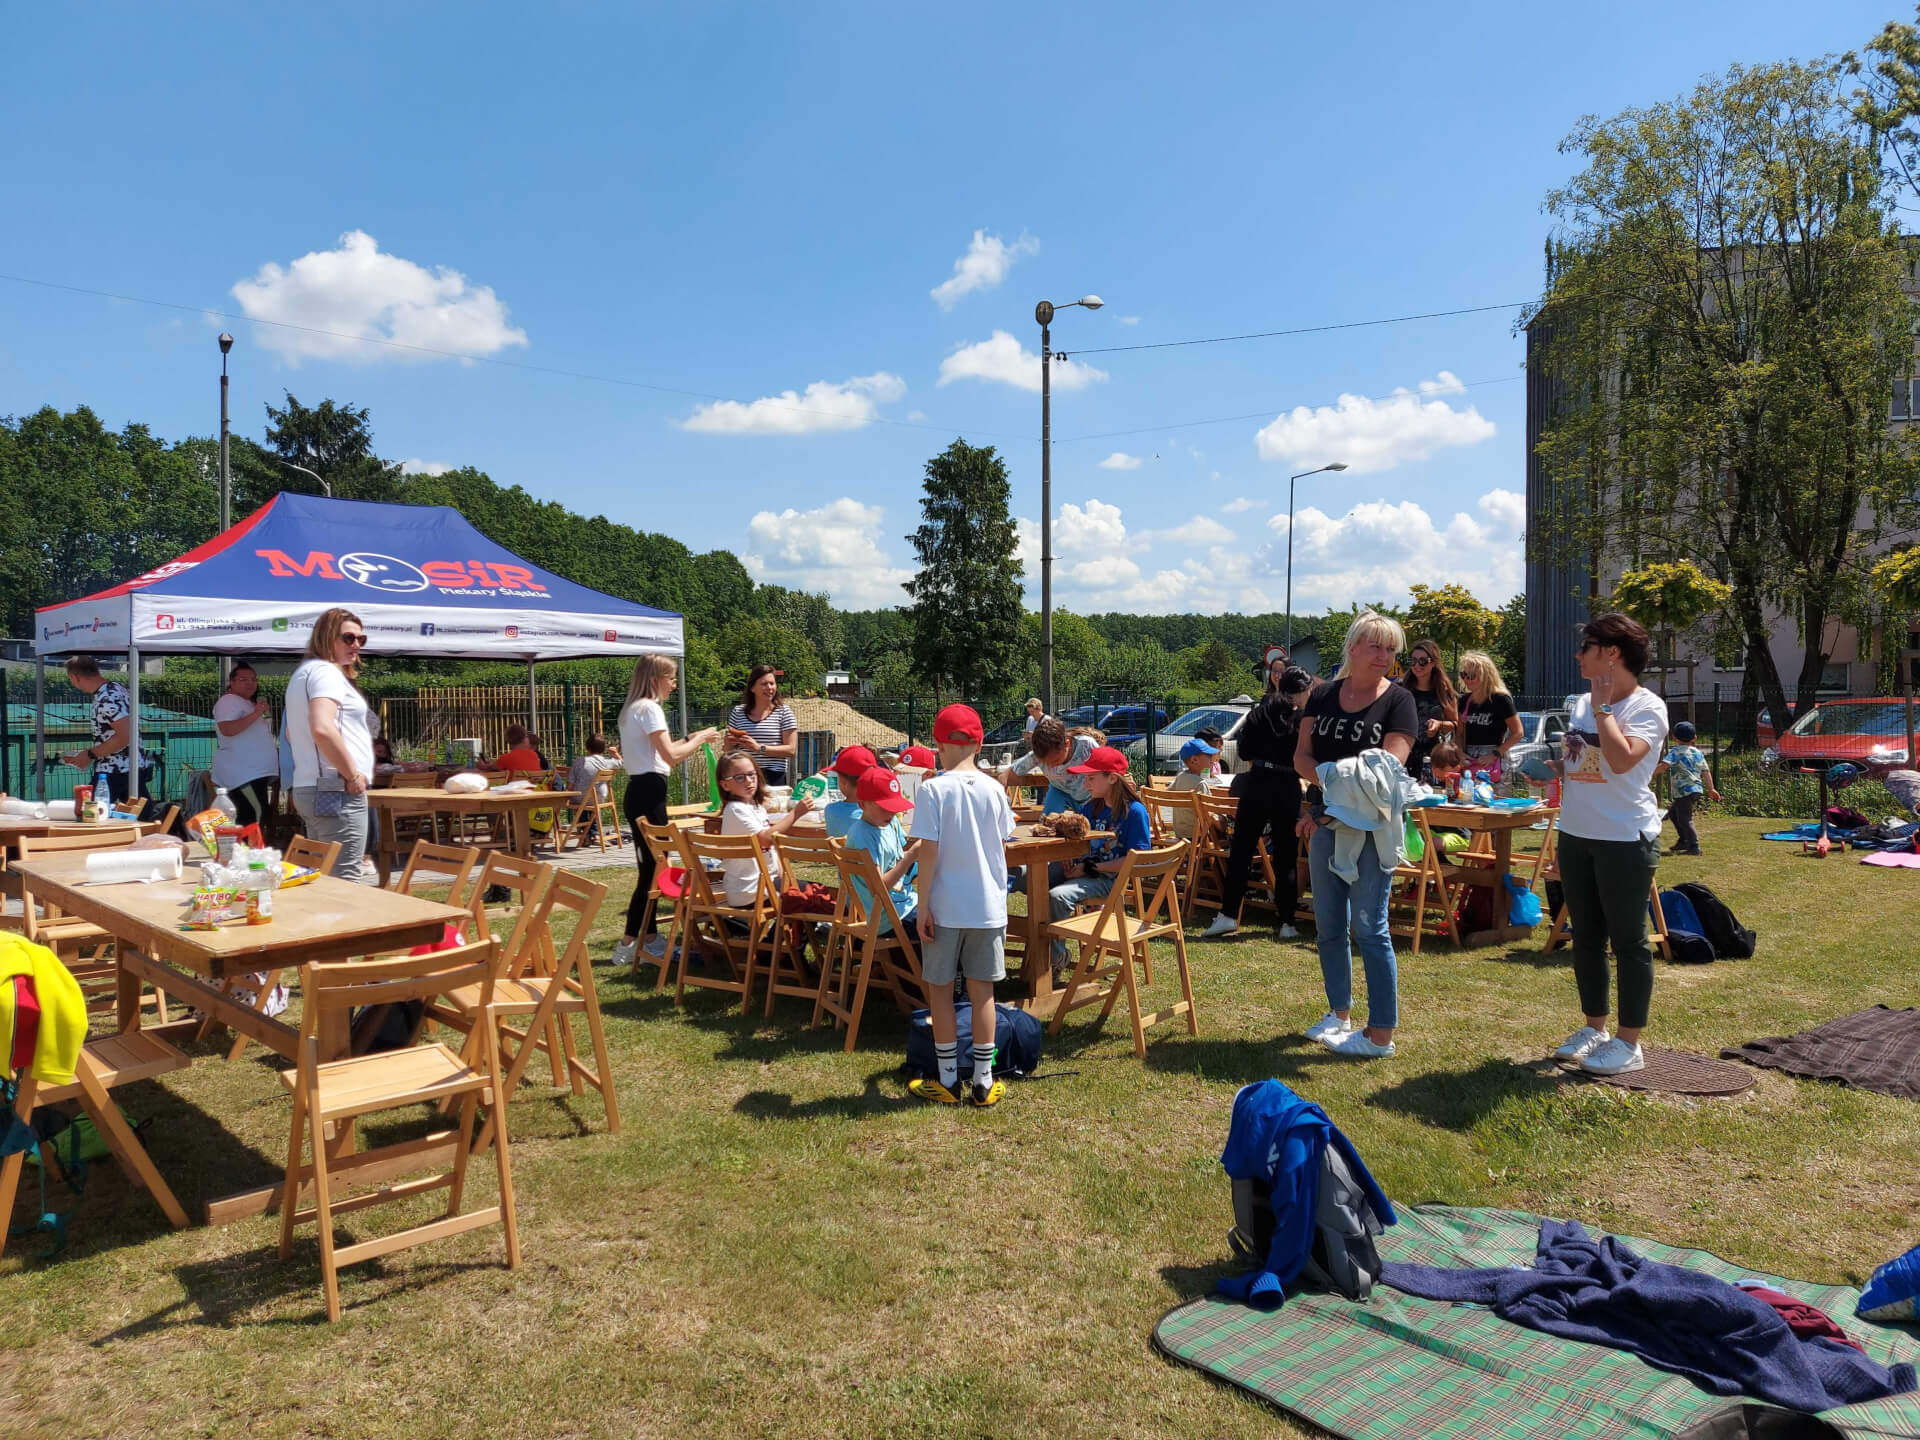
(1718, 1336)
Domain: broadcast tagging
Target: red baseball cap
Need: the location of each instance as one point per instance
(1105, 760)
(853, 762)
(957, 725)
(880, 786)
(918, 756)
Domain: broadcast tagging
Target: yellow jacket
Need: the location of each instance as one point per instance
(63, 1010)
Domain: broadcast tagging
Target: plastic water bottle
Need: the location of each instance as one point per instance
(223, 802)
(102, 797)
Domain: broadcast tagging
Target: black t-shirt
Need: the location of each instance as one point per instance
(1485, 721)
(1427, 706)
(1339, 734)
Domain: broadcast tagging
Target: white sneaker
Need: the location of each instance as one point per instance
(656, 946)
(1330, 1024)
(1616, 1057)
(623, 951)
(1582, 1043)
(1223, 924)
(1357, 1046)
(1287, 932)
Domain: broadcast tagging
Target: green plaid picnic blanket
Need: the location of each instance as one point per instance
(1399, 1367)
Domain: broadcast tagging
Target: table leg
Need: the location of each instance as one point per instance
(126, 993)
(520, 832)
(1036, 969)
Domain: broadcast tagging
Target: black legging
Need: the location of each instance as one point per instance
(646, 800)
(1267, 798)
(250, 801)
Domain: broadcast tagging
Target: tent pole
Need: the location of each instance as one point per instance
(39, 728)
(133, 722)
(685, 795)
(533, 704)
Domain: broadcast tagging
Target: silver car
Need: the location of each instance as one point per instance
(1543, 734)
(1227, 716)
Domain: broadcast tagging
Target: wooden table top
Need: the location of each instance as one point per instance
(324, 919)
(431, 799)
(14, 826)
(1483, 817)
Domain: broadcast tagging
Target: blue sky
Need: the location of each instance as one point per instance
(857, 204)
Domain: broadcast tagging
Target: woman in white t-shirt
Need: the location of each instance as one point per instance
(329, 734)
(650, 754)
(743, 796)
(245, 752)
(1609, 840)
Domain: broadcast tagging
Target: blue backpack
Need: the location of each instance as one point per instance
(1016, 1042)
(1679, 912)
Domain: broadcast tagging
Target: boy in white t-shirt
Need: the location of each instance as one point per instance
(1197, 761)
(962, 820)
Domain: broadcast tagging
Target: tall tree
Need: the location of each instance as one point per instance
(1725, 318)
(334, 442)
(1450, 615)
(967, 604)
(1510, 644)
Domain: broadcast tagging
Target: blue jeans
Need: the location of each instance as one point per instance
(1358, 911)
(1065, 895)
(1057, 800)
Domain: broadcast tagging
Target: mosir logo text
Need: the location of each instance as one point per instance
(394, 576)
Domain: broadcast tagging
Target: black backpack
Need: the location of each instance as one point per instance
(1689, 948)
(1730, 939)
(1016, 1042)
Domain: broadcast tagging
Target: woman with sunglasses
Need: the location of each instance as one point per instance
(327, 725)
(1435, 702)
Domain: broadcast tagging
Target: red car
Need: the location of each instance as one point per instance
(1867, 732)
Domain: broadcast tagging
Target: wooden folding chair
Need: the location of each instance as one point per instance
(592, 813)
(1212, 843)
(789, 973)
(1114, 938)
(312, 854)
(869, 942)
(1174, 815)
(665, 899)
(430, 865)
(739, 934)
(338, 1092)
(309, 855)
(104, 1064)
(1560, 931)
(1430, 888)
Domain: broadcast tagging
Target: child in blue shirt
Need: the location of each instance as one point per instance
(1692, 778)
(1116, 806)
(879, 832)
(849, 765)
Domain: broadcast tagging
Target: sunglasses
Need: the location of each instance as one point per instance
(353, 639)
(1423, 660)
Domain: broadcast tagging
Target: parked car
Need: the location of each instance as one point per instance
(1007, 732)
(1119, 723)
(1226, 717)
(1867, 732)
(1543, 734)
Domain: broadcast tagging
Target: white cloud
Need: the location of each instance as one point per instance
(355, 290)
(424, 467)
(1006, 360)
(1373, 435)
(1128, 319)
(1120, 460)
(916, 415)
(1095, 528)
(983, 267)
(835, 548)
(1378, 550)
(1200, 530)
(1240, 506)
(848, 405)
(1026, 548)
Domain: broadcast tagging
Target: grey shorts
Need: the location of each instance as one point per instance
(978, 954)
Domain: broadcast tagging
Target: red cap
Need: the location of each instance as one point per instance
(919, 756)
(957, 725)
(880, 786)
(853, 762)
(1105, 760)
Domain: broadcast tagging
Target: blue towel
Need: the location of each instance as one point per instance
(1718, 1336)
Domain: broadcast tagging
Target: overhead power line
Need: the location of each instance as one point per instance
(1300, 330)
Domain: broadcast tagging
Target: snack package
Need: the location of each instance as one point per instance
(292, 874)
(213, 906)
(206, 826)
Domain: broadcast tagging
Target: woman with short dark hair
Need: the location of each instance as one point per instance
(1268, 792)
(1609, 842)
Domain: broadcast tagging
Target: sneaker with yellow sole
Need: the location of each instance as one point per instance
(930, 1089)
(985, 1097)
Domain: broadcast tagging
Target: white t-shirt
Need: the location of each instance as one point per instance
(1032, 720)
(250, 755)
(1596, 802)
(965, 813)
(743, 876)
(639, 723)
(323, 680)
(587, 770)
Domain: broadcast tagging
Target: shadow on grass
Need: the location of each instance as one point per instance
(1460, 1099)
(1533, 955)
(1195, 1282)
(873, 1099)
(1237, 1062)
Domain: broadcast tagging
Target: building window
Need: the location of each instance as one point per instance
(1902, 400)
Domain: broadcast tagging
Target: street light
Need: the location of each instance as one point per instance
(325, 488)
(1043, 312)
(1336, 465)
(226, 476)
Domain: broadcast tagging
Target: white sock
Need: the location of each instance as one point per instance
(983, 1063)
(947, 1056)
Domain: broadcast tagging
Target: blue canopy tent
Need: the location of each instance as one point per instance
(423, 580)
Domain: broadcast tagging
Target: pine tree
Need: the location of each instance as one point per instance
(967, 602)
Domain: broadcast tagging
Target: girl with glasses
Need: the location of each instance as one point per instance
(1434, 701)
(331, 735)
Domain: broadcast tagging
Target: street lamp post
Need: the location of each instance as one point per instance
(325, 488)
(1291, 480)
(226, 475)
(1043, 312)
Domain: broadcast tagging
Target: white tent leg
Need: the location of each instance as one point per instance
(133, 722)
(39, 728)
(684, 795)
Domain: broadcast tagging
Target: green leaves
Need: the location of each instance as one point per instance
(967, 604)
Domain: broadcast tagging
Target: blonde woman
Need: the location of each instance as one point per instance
(328, 731)
(649, 753)
(1360, 709)
(1489, 720)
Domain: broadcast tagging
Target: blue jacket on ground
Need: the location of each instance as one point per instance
(1278, 1138)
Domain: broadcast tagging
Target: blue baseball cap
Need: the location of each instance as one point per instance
(1197, 746)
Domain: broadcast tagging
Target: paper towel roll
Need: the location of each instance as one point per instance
(24, 809)
(118, 867)
(60, 810)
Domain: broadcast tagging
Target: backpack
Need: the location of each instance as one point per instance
(1476, 909)
(1730, 939)
(1679, 913)
(1016, 1042)
(1344, 1256)
(1688, 947)
(1845, 817)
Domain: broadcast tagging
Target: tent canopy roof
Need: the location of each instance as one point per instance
(422, 579)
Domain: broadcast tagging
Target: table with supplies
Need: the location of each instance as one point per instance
(511, 807)
(1488, 858)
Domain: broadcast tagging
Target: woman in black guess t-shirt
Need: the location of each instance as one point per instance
(1490, 721)
(1359, 710)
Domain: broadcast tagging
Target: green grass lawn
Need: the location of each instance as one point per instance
(781, 1242)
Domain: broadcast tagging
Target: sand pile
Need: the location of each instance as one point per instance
(848, 725)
